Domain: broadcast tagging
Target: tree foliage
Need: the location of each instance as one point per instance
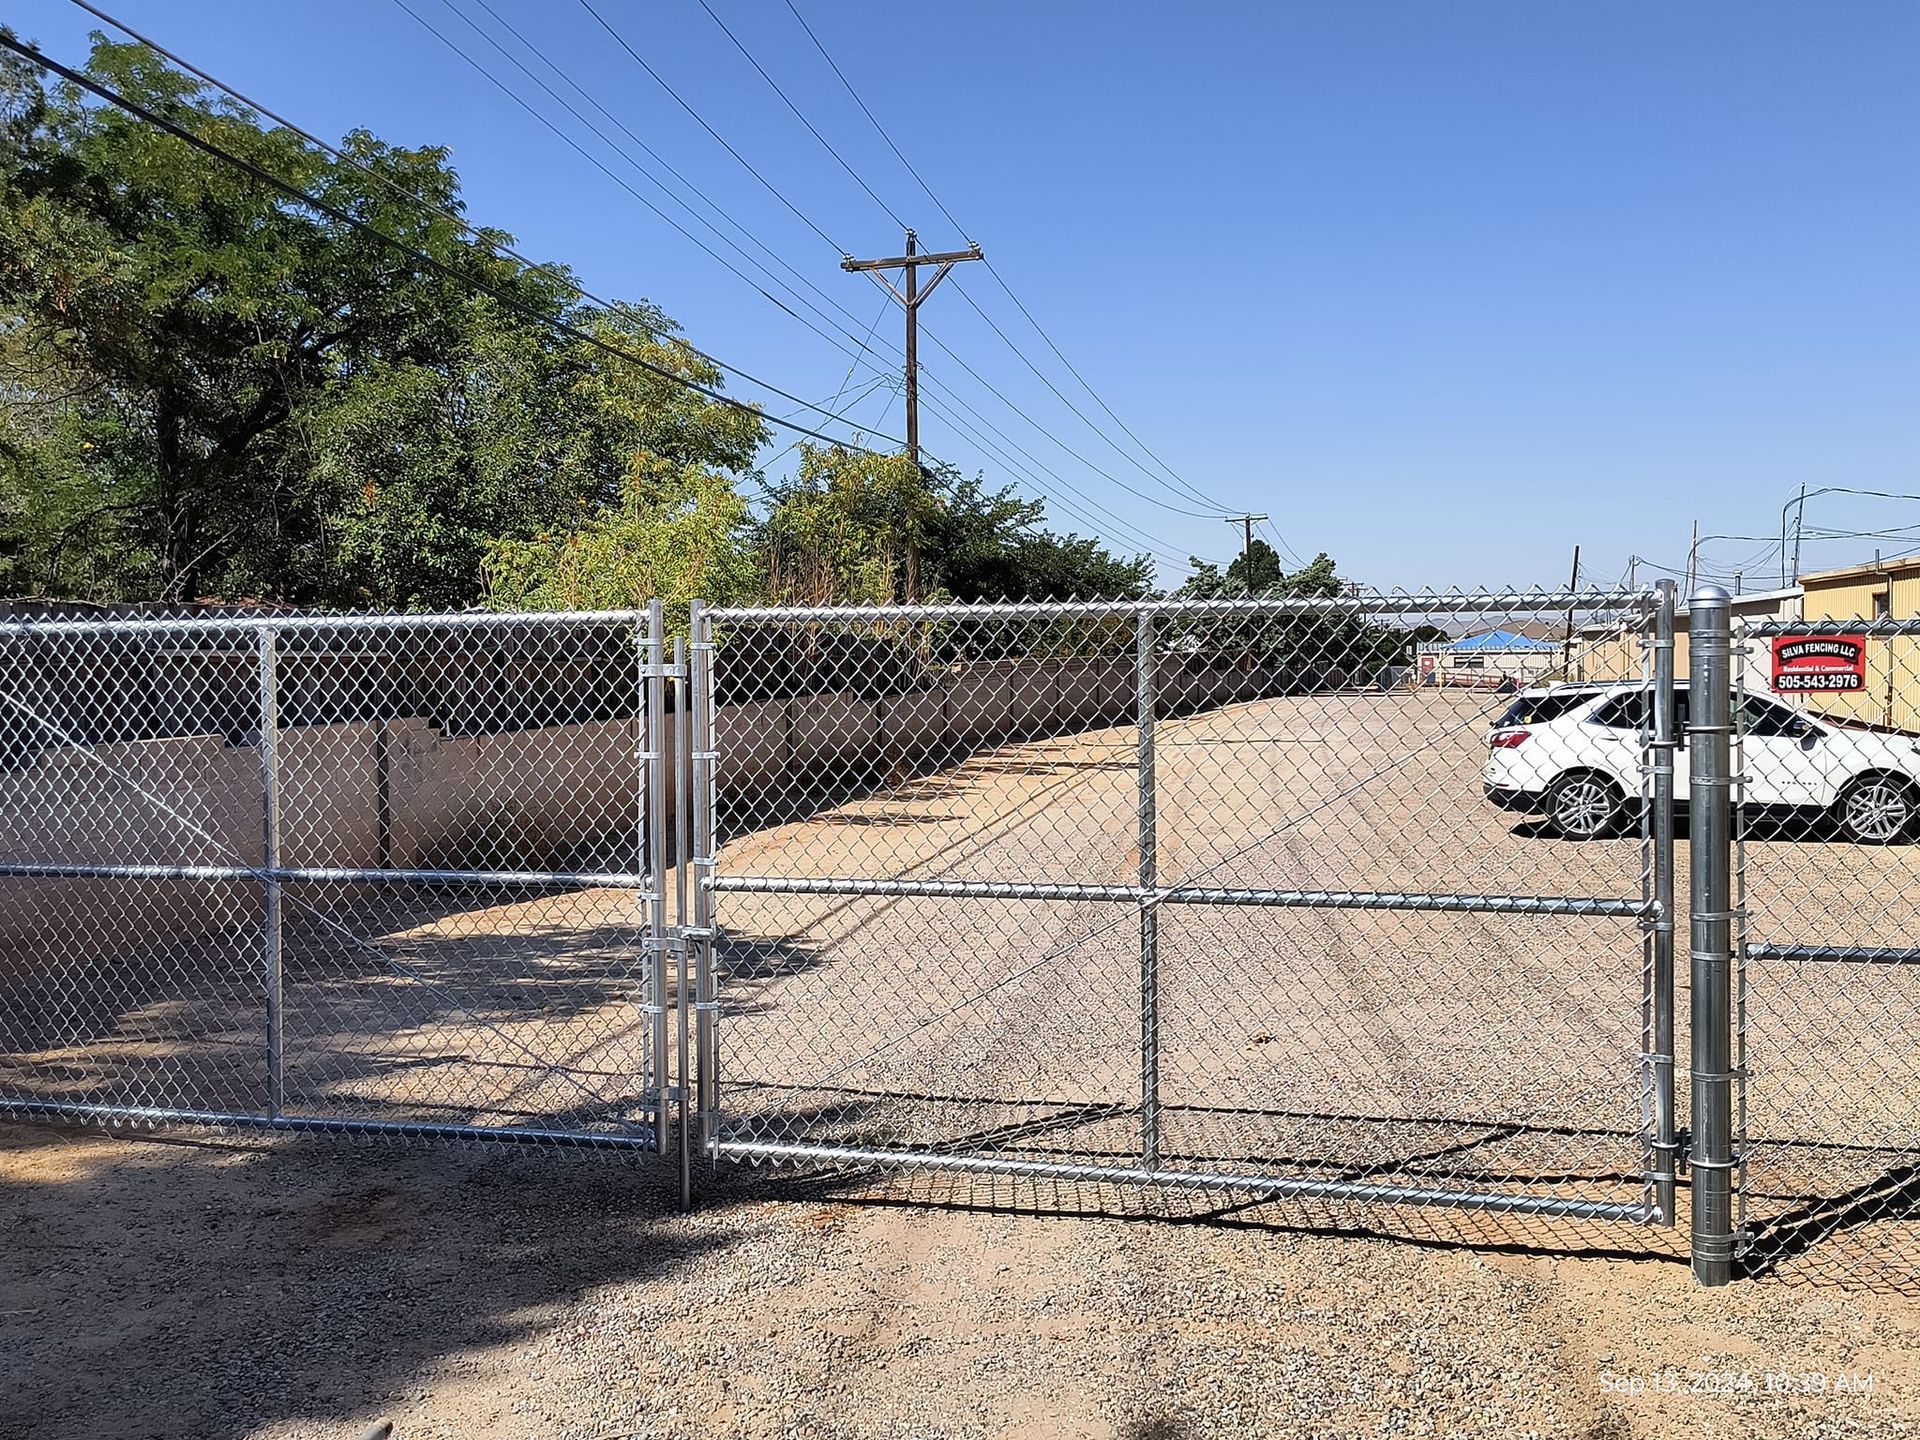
(852, 528)
(210, 389)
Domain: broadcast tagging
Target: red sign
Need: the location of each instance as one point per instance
(1808, 664)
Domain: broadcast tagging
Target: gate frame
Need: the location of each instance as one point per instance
(650, 754)
(1654, 910)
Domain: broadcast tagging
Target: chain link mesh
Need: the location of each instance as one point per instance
(1347, 903)
(381, 875)
(1828, 1022)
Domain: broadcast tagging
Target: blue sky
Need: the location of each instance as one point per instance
(1445, 289)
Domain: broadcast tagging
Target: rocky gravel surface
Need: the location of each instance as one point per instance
(186, 1287)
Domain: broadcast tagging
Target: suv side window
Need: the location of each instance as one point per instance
(1629, 712)
(1765, 720)
(1623, 712)
(1539, 709)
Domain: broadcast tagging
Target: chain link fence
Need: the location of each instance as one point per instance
(1363, 908)
(380, 876)
(1350, 903)
(1828, 888)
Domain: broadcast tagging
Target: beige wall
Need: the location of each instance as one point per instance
(1892, 693)
(401, 794)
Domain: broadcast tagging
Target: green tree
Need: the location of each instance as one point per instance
(1257, 571)
(990, 545)
(206, 388)
(849, 528)
(680, 533)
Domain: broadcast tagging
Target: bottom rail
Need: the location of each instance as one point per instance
(1278, 1187)
(154, 1115)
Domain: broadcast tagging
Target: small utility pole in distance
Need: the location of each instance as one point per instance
(1246, 550)
(911, 301)
(1573, 587)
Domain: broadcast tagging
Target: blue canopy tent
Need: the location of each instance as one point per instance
(1500, 640)
(1498, 659)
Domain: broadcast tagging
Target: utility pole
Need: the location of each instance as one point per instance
(910, 301)
(1799, 524)
(1573, 587)
(1246, 549)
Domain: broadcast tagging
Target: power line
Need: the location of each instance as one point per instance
(1117, 525)
(1127, 534)
(948, 350)
(771, 188)
(595, 161)
(1151, 500)
(751, 60)
(489, 239)
(993, 270)
(1081, 415)
(421, 257)
(1281, 545)
(627, 130)
(959, 229)
(1199, 495)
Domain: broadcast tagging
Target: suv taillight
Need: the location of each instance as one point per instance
(1508, 739)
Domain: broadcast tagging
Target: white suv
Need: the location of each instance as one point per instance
(1572, 753)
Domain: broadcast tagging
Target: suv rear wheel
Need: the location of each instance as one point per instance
(1877, 809)
(1583, 806)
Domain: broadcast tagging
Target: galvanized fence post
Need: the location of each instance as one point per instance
(1710, 856)
(654, 824)
(1144, 703)
(702, 758)
(270, 870)
(681, 745)
(1665, 1145)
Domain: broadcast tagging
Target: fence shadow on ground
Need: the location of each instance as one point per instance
(214, 1287)
(1404, 1150)
(439, 1006)
(1864, 1237)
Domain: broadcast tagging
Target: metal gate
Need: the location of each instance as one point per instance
(392, 876)
(1215, 901)
(1824, 1048)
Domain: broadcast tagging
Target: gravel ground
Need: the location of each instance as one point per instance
(208, 1286)
(186, 1287)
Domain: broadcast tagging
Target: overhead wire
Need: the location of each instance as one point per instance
(762, 179)
(601, 165)
(421, 257)
(705, 199)
(1128, 534)
(490, 239)
(993, 325)
(826, 144)
(770, 187)
(1279, 544)
(799, 115)
(992, 269)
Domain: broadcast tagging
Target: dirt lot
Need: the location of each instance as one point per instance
(203, 1286)
(190, 1288)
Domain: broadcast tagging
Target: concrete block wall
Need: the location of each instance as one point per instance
(400, 793)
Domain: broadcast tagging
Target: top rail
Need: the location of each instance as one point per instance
(1384, 604)
(252, 624)
(1880, 627)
